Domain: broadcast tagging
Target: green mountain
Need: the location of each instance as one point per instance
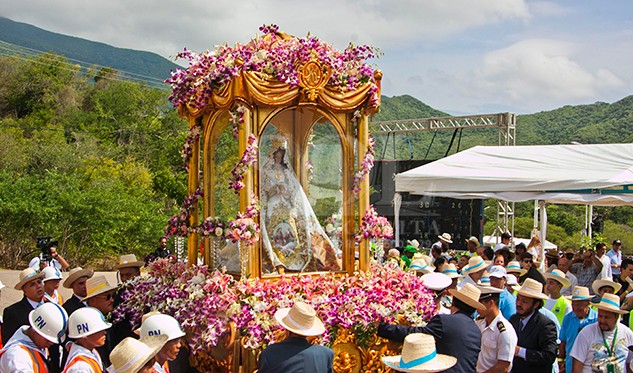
(138, 65)
(597, 123)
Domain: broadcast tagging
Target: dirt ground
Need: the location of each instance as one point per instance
(11, 277)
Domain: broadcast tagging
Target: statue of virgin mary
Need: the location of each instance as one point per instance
(292, 238)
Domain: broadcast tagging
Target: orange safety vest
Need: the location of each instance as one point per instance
(92, 362)
(39, 366)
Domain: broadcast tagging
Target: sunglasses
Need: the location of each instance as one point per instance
(527, 261)
(106, 296)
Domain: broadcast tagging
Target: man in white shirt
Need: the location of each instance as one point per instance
(498, 338)
(603, 346)
(615, 257)
(601, 249)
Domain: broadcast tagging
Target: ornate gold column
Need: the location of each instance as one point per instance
(363, 195)
(193, 183)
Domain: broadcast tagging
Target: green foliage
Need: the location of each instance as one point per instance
(96, 165)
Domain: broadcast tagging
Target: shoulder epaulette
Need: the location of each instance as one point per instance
(501, 326)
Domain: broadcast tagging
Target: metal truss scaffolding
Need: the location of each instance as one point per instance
(506, 127)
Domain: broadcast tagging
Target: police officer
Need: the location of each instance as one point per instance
(88, 328)
(25, 351)
(498, 338)
(161, 324)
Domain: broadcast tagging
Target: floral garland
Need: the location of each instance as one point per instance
(269, 54)
(237, 119)
(365, 167)
(192, 137)
(204, 301)
(212, 226)
(374, 226)
(248, 159)
(178, 225)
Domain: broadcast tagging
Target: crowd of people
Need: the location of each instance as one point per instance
(495, 312)
(45, 333)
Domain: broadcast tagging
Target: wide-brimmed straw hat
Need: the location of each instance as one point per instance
(27, 274)
(419, 355)
(559, 276)
(414, 243)
(450, 270)
(97, 285)
(420, 265)
(611, 303)
(596, 285)
(445, 237)
(475, 264)
(580, 293)
(532, 289)
(131, 355)
(468, 294)
(75, 274)
(436, 281)
(515, 267)
(129, 260)
(300, 319)
(474, 240)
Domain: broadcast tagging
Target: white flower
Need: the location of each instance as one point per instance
(218, 231)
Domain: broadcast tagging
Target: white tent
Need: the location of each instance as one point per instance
(581, 174)
(492, 240)
(600, 174)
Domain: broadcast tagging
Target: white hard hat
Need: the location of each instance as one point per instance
(161, 324)
(50, 321)
(86, 321)
(51, 273)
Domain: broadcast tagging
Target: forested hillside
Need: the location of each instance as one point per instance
(91, 160)
(141, 65)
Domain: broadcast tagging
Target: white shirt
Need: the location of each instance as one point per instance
(466, 280)
(159, 368)
(589, 346)
(574, 282)
(496, 345)
(35, 263)
(81, 366)
(606, 267)
(15, 359)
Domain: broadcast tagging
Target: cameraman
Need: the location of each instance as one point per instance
(49, 257)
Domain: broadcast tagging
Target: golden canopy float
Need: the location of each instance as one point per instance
(278, 152)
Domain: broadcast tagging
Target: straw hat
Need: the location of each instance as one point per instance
(596, 285)
(468, 294)
(97, 285)
(445, 237)
(394, 253)
(450, 270)
(1, 285)
(75, 274)
(515, 267)
(559, 276)
(611, 303)
(131, 355)
(436, 281)
(580, 293)
(532, 289)
(27, 274)
(414, 243)
(419, 355)
(485, 279)
(419, 265)
(475, 264)
(474, 240)
(129, 260)
(300, 319)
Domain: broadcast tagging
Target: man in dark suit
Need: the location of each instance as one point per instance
(295, 353)
(455, 334)
(76, 280)
(536, 348)
(17, 314)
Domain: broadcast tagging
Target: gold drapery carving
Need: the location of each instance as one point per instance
(259, 89)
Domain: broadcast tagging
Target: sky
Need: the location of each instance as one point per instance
(459, 56)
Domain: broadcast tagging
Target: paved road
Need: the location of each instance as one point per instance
(10, 277)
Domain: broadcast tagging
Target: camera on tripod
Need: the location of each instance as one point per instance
(45, 244)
